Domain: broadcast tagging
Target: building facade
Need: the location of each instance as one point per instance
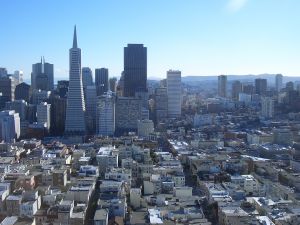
(278, 82)
(87, 77)
(135, 69)
(260, 86)
(101, 80)
(106, 115)
(174, 93)
(42, 76)
(9, 126)
(222, 86)
(43, 114)
(91, 105)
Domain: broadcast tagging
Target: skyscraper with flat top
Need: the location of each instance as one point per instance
(260, 86)
(222, 86)
(75, 113)
(101, 81)
(174, 93)
(278, 82)
(135, 69)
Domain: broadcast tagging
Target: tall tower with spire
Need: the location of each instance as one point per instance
(75, 113)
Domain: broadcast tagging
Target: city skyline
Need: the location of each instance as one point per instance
(198, 38)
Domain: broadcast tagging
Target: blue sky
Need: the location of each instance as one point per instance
(199, 37)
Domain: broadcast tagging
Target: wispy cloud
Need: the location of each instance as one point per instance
(236, 5)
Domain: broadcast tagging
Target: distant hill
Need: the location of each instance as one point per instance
(242, 78)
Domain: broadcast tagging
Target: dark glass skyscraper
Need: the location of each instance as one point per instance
(101, 81)
(260, 86)
(135, 69)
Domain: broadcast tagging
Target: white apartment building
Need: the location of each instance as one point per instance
(174, 93)
(43, 114)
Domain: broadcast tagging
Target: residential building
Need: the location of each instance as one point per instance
(267, 107)
(43, 114)
(145, 128)
(128, 112)
(222, 86)
(174, 93)
(9, 126)
(161, 104)
(236, 89)
(106, 115)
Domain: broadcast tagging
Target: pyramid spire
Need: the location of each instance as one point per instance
(75, 38)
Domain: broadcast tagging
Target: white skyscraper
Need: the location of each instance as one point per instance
(91, 105)
(9, 126)
(18, 75)
(75, 113)
(43, 114)
(278, 82)
(106, 115)
(267, 107)
(174, 93)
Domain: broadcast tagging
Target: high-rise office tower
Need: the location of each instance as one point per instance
(42, 76)
(19, 106)
(101, 80)
(222, 86)
(236, 89)
(23, 91)
(113, 84)
(267, 107)
(9, 126)
(43, 114)
(120, 86)
(128, 112)
(260, 86)
(39, 96)
(75, 114)
(106, 114)
(3, 72)
(161, 104)
(90, 106)
(278, 82)
(289, 86)
(18, 75)
(135, 69)
(248, 89)
(174, 93)
(7, 88)
(58, 114)
(87, 77)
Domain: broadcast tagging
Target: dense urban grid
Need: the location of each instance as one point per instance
(221, 150)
